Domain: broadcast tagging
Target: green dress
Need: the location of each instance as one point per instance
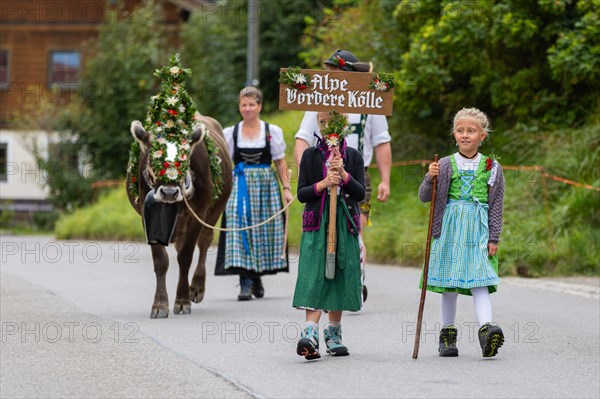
(313, 290)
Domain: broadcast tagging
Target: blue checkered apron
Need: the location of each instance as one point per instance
(459, 257)
(258, 249)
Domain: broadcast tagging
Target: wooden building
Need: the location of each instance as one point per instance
(42, 51)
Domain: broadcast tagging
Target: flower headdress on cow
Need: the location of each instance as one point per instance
(171, 118)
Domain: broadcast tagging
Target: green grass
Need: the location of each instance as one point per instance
(109, 218)
(556, 234)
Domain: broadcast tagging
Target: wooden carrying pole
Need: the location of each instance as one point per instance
(425, 266)
(331, 233)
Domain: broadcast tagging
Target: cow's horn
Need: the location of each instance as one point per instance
(137, 130)
(199, 132)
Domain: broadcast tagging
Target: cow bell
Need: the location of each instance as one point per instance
(159, 220)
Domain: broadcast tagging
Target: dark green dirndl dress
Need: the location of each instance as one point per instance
(313, 290)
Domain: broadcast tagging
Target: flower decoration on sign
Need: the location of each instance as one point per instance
(295, 78)
(334, 129)
(382, 81)
(170, 120)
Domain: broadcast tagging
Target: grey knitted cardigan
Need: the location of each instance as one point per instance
(495, 199)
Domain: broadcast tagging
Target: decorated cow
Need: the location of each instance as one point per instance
(179, 159)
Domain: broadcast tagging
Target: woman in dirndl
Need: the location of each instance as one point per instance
(466, 231)
(254, 145)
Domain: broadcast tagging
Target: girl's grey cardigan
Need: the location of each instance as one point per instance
(495, 199)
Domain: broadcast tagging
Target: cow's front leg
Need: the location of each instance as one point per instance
(197, 288)
(185, 252)
(160, 307)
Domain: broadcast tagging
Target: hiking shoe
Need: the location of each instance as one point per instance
(257, 288)
(333, 341)
(491, 339)
(447, 346)
(246, 285)
(308, 346)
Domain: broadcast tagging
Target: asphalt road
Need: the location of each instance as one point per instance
(75, 323)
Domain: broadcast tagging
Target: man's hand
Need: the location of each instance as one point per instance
(383, 192)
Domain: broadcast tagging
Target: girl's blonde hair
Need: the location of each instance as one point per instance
(252, 92)
(473, 113)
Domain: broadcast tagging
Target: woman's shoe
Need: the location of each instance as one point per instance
(257, 288)
(246, 285)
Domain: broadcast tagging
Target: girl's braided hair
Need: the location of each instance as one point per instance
(476, 114)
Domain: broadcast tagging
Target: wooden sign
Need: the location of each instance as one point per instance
(345, 92)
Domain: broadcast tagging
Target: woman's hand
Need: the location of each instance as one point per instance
(288, 196)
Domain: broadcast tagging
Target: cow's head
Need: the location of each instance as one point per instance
(167, 170)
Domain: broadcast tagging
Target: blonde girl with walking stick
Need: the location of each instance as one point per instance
(466, 230)
(329, 278)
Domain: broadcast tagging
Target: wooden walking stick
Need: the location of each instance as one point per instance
(425, 266)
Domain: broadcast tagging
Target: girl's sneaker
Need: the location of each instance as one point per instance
(333, 341)
(308, 346)
(447, 346)
(491, 339)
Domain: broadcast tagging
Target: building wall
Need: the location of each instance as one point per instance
(24, 179)
(30, 30)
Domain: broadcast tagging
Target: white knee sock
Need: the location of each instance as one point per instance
(449, 308)
(483, 305)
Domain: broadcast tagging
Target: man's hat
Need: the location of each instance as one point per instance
(348, 62)
(342, 59)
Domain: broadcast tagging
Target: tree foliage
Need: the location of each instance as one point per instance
(214, 46)
(117, 82)
(532, 62)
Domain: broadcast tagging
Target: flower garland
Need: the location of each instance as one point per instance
(293, 77)
(133, 170)
(335, 129)
(171, 118)
(382, 81)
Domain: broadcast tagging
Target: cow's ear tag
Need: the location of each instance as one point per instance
(159, 220)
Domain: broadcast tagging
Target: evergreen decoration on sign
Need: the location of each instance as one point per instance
(170, 121)
(294, 77)
(382, 81)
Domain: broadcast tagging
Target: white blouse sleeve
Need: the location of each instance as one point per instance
(277, 142)
(308, 128)
(379, 130)
(493, 173)
(228, 133)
